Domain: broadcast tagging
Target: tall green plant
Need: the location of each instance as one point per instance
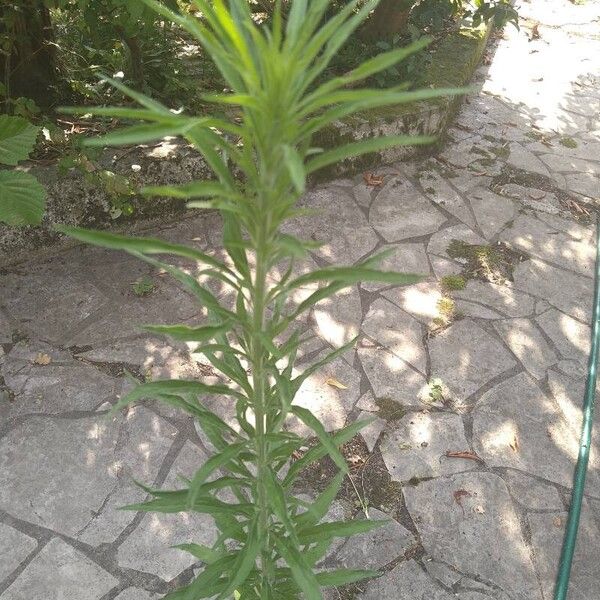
(270, 540)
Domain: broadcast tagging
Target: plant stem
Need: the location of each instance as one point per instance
(259, 378)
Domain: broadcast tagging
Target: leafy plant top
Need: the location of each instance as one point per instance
(270, 540)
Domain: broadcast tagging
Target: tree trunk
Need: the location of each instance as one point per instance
(135, 58)
(29, 69)
(390, 16)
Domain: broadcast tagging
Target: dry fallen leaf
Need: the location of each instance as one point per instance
(372, 179)
(42, 359)
(336, 384)
(459, 495)
(557, 522)
(463, 454)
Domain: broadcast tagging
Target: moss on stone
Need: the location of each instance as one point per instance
(567, 142)
(453, 282)
(389, 409)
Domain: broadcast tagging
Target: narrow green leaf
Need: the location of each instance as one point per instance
(278, 503)
(325, 531)
(319, 451)
(295, 168)
(245, 560)
(140, 245)
(311, 421)
(140, 98)
(344, 576)
(186, 333)
(318, 509)
(195, 189)
(173, 386)
(355, 275)
(301, 570)
(138, 134)
(179, 503)
(201, 552)
(214, 462)
(364, 147)
(119, 112)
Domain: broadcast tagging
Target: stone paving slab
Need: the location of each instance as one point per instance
(475, 381)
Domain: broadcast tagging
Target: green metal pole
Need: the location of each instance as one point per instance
(568, 548)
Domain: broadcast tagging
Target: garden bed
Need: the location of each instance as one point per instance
(76, 197)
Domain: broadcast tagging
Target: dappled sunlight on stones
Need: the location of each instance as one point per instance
(543, 241)
(566, 291)
(396, 330)
(405, 258)
(407, 581)
(567, 384)
(15, 546)
(371, 432)
(515, 425)
(419, 300)
(92, 455)
(417, 445)
(375, 548)
(391, 377)
(528, 345)
(547, 530)
(338, 223)
(503, 298)
(570, 337)
(543, 202)
(468, 522)
(61, 572)
(400, 211)
(465, 357)
(532, 493)
(150, 547)
(321, 395)
(337, 319)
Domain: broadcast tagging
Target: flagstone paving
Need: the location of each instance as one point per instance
(475, 374)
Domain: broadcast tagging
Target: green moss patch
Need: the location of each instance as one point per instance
(453, 282)
(494, 264)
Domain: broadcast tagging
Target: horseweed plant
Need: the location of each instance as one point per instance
(270, 540)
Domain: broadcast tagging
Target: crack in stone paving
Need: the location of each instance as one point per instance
(495, 542)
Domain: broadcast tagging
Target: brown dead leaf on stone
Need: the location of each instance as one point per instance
(576, 207)
(336, 384)
(557, 522)
(372, 179)
(459, 495)
(42, 359)
(468, 454)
